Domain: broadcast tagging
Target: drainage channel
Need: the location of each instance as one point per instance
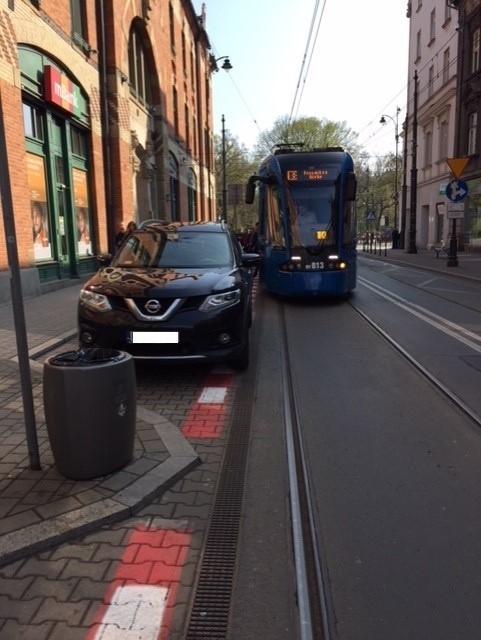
(209, 616)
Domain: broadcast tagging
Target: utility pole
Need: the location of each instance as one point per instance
(404, 187)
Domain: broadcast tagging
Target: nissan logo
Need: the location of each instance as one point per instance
(152, 306)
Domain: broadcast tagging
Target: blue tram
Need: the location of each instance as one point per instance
(307, 221)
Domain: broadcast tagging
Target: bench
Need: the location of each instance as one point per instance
(439, 250)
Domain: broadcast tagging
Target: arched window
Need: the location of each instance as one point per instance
(138, 68)
(192, 196)
(174, 188)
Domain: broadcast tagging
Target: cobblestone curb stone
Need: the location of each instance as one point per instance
(126, 502)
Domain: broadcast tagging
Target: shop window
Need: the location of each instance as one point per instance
(41, 228)
(32, 123)
(78, 142)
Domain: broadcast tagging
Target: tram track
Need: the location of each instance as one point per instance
(424, 286)
(311, 576)
(435, 381)
(310, 580)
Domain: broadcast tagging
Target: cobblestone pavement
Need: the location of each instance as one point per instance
(70, 549)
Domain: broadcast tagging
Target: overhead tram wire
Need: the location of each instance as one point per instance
(309, 51)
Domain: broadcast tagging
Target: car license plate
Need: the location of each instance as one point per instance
(155, 337)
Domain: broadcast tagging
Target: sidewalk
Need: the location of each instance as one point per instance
(469, 264)
(40, 508)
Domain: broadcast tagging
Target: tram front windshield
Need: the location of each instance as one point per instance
(312, 216)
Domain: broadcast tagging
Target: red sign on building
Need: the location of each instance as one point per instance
(61, 91)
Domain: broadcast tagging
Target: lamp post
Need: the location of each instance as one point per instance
(396, 173)
(224, 174)
(227, 66)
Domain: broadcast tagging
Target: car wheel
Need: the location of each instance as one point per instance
(241, 361)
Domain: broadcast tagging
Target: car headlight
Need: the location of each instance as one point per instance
(95, 301)
(220, 300)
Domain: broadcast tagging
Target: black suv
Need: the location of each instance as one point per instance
(177, 291)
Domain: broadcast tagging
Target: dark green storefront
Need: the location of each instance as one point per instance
(57, 139)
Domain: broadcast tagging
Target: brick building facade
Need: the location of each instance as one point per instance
(106, 108)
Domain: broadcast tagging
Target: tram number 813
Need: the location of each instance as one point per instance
(315, 266)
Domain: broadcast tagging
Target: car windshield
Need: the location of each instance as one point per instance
(175, 249)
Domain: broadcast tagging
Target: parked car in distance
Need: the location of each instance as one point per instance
(173, 292)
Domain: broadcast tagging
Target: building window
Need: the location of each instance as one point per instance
(472, 127)
(187, 126)
(446, 62)
(443, 140)
(32, 123)
(432, 27)
(447, 13)
(192, 197)
(192, 70)
(428, 149)
(431, 82)
(184, 54)
(138, 72)
(418, 45)
(174, 188)
(78, 143)
(79, 31)
(172, 28)
(475, 47)
(175, 107)
(194, 138)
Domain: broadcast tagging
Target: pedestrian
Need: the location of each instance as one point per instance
(120, 235)
(132, 226)
(253, 244)
(395, 238)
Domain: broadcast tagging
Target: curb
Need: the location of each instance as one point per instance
(124, 504)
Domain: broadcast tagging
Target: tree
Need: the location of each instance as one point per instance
(238, 169)
(377, 192)
(310, 132)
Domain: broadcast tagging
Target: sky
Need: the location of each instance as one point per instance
(354, 71)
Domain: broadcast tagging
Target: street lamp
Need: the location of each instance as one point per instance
(396, 132)
(227, 66)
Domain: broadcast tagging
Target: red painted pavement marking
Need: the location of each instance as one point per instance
(139, 602)
(207, 420)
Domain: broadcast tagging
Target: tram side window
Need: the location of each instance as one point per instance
(274, 227)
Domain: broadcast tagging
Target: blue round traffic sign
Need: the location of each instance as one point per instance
(456, 190)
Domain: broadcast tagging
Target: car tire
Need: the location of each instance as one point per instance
(241, 361)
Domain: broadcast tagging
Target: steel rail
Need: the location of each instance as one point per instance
(298, 475)
(455, 399)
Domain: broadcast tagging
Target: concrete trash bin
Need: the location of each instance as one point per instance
(89, 399)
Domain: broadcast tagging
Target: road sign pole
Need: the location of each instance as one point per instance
(453, 248)
(457, 166)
